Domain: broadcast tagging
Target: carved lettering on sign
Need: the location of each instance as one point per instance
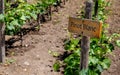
(85, 27)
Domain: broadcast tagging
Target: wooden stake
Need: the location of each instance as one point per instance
(2, 36)
(96, 8)
(85, 42)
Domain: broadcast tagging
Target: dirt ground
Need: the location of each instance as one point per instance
(34, 58)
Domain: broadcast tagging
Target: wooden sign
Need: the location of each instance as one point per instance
(85, 27)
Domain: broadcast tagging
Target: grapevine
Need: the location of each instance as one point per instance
(99, 48)
(19, 12)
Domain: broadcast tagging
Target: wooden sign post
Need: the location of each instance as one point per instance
(96, 8)
(85, 42)
(2, 36)
(87, 28)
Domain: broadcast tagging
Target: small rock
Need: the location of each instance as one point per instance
(24, 69)
(26, 45)
(17, 48)
(38, 57)
(26, 63)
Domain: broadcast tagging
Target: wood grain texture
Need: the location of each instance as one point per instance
(85, 27)
(85, 42)
(2, 36)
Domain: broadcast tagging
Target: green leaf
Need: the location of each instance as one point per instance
(93, 60)
(33, 15)
(14, 23)
(106, 63)
(23, 17)
(56, 54)
(99, 67)
(10, 27)
(118, 43)
(22, 1)
(83, 72)
(75, 41)
(56, 66)
(1, 18)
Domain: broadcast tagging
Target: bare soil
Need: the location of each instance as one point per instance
(34, 57)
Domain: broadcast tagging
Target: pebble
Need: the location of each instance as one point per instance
(24, 69)
(38, 57)
(26, 45)
(26, 63)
